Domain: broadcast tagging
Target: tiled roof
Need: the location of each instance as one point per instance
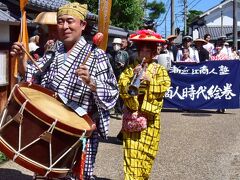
(214, 31)
(120, 32)
(3, 6)
(47, 4)
(6, 17)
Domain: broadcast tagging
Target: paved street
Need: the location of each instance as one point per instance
(194, 146)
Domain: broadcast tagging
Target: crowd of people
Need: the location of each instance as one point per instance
(200, 50)
(102, 83)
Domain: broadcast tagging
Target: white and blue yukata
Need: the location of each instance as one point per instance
(61, 78)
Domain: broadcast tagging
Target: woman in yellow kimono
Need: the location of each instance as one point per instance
(140, 148)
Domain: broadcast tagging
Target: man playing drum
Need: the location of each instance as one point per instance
(92, 86)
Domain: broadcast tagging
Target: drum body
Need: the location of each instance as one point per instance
(40, 133)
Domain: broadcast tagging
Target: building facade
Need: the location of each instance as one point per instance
(217, 21)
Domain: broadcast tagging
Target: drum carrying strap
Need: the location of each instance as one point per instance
(78, 167)
(83, 158)
(37, 77)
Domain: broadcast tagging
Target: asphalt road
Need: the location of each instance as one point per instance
(200, 145)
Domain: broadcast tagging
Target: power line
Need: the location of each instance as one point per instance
(164, 16)
(194, 5)
(165, 5)
(191, 3)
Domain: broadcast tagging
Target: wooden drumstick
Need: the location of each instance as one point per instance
(97, 39)
(31, 58)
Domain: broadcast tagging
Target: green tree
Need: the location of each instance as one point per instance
(92, 4)
(192, 15)
(127, 14)
(155, 9)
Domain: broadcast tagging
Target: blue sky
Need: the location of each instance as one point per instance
(200, 5)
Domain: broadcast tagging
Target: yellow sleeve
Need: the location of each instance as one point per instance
(123, 83)
(159, 84)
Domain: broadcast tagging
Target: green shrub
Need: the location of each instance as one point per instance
(3, 157)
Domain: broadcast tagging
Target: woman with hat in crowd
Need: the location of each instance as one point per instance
(140, 147)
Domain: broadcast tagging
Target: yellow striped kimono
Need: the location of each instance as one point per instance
(140, 148)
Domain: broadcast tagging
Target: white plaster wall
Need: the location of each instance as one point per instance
(4, 33)
(214, 18)
(195, 34)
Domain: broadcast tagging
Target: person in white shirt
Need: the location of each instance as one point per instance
(228, 50)
(193, 53)
(165, 56)
(209, 46)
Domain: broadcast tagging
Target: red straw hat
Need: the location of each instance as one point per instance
(147, 35)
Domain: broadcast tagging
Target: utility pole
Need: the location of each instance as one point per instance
(144, 7)
(172, 17)
(221, 20)
(165, 27)
(235, 32)
(185, 16)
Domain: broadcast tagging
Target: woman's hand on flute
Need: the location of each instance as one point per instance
(137, 69)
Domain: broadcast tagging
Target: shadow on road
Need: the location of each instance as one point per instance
(99, 178)
(200, 112)
(112, 140)
(11, 174)
(189, 110)
(117, 117)
(196, 114)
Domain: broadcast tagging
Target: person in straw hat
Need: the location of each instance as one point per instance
(172, 46)
(91, 86)
(140, 147)
(203, 53)
(47, 29)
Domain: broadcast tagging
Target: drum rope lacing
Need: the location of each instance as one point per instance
(82, 138)
(18, 118)
(4, 113)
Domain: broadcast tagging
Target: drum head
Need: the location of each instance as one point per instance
(54, 108)
(47, 104)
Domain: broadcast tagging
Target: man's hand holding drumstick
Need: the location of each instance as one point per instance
(18, 49)
(83, 71)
